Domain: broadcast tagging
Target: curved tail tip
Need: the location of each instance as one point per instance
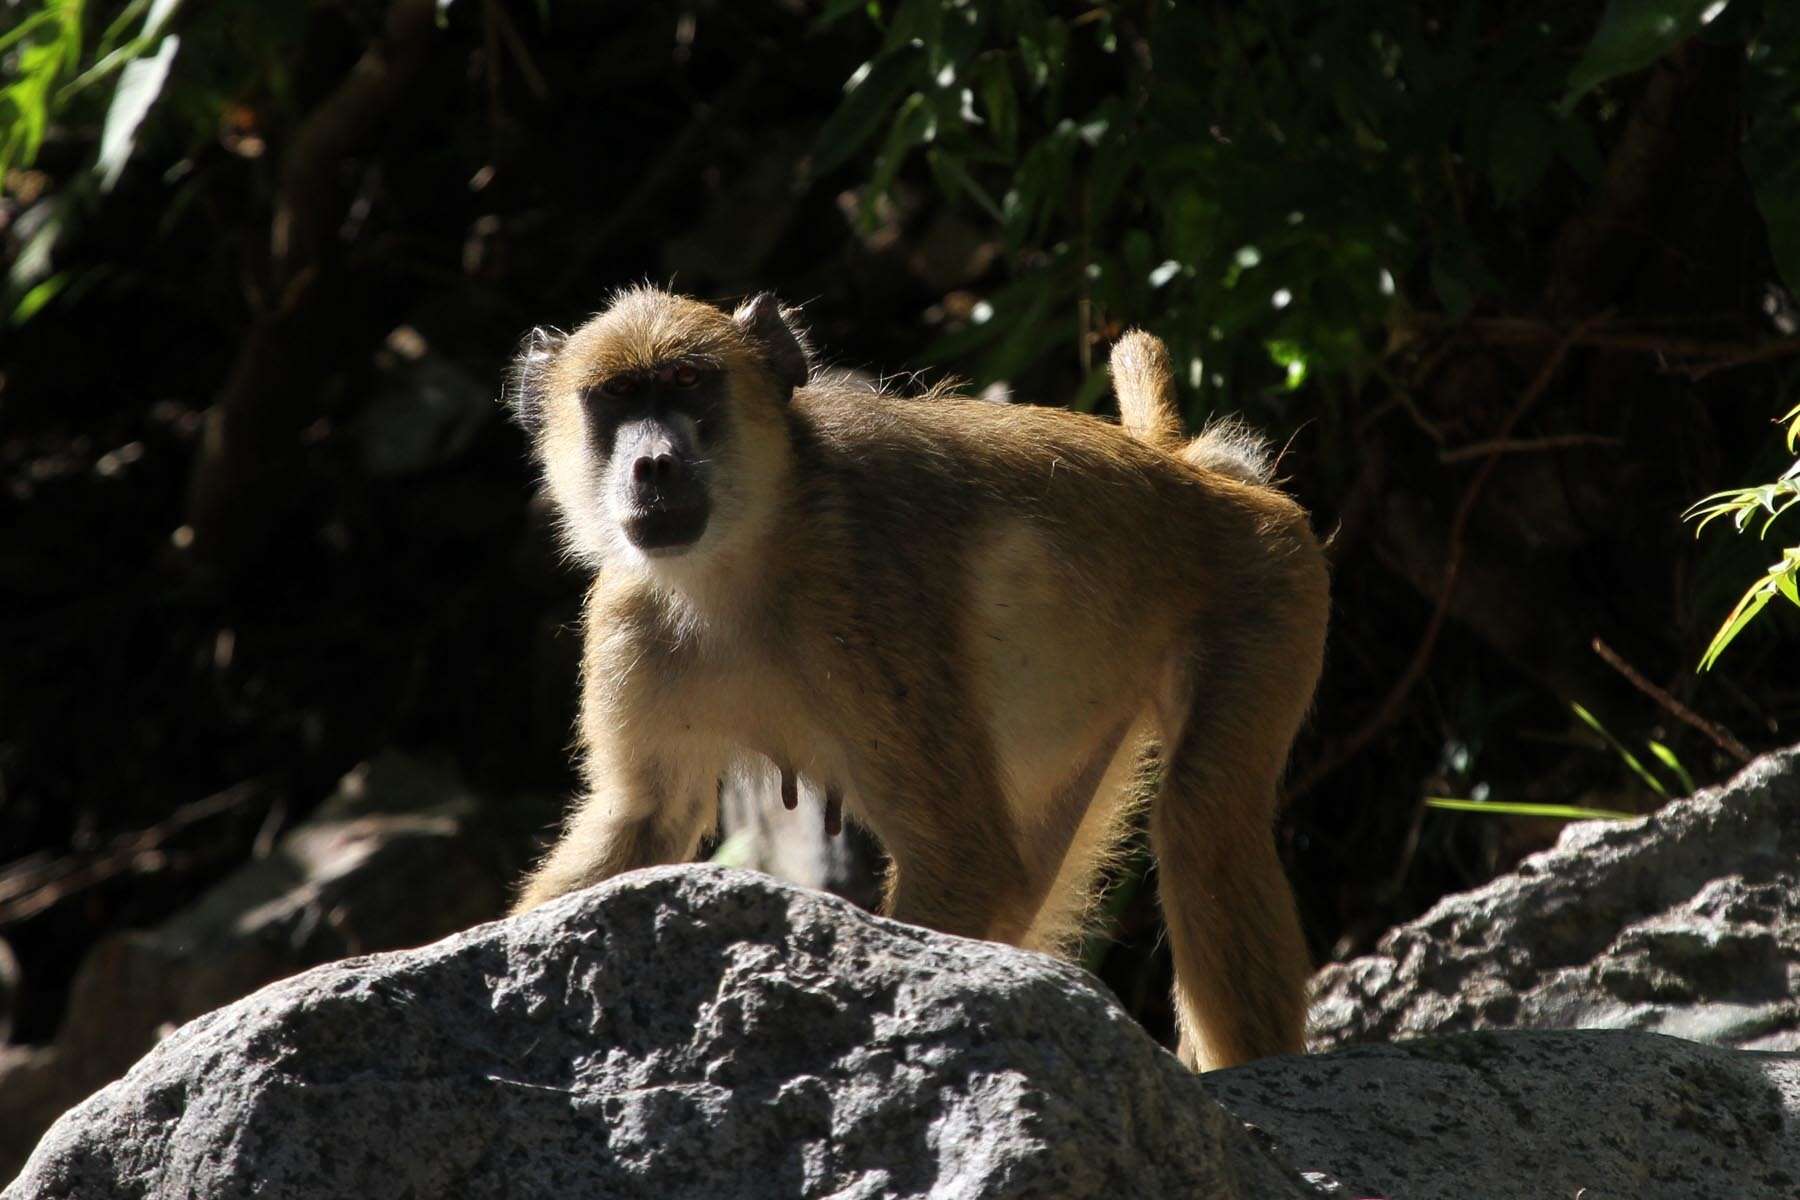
(1137, 352)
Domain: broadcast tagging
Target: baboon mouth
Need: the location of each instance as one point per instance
(666, 528)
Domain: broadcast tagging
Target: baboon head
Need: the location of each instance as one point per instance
(659, 422)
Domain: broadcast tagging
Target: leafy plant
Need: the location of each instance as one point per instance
(1766, 502)
(1275, 186)
(1574, 812)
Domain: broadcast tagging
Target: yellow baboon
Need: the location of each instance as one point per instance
(971, 621)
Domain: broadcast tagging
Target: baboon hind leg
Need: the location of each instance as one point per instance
(1241, 963)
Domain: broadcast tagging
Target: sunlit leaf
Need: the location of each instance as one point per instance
(34, 300)
(1509, 808)
(139, 86)
(867, 106)
(1667, 758)
(1752, 602)
(1632, 35)
(1631, 760)
(1292, 358)
(915, 125)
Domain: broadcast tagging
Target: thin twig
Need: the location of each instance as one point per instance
(32, 884)
(1555, 441)
(1763, 353)
(509, 33)
(1385, 711)
(1719, 735)
(1719, 356)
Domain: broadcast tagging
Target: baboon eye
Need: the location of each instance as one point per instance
(686, 376)
(620, 386)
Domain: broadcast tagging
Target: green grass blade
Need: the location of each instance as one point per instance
(1631, 760)
(1509, 808)
(1667, 758)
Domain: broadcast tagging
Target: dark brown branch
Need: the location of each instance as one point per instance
(1713, 355)
(249, 455)
(1719, 736)
(35, 883)
(1555, 441)
(1389, 707)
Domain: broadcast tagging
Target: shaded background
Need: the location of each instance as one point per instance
(1508, 281)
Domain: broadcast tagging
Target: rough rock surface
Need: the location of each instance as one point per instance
(398, 856)
(689, 1031)
(1532, 1116)
(1685, 922)
(696, 1031)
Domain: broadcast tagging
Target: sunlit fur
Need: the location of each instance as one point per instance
(990, 626)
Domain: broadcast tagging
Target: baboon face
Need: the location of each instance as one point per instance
(656, 420)
(652, 428)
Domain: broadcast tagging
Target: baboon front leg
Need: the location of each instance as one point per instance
(643, 816)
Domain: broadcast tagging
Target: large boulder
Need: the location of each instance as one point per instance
(1574, 1115)
(1685, 922)
(683, 1031)
(697, 1031)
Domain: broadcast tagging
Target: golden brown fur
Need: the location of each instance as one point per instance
(977, 622)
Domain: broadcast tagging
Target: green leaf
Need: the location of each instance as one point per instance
(26, 27)
(1291, 357)
(139, 85)
(915, 124)
(1748, 606)
(999, 100)
(1785, 584)
(1631, 760)
(1667, 758)
(871, 95)
(1510, 808)
(837, 10)
(955, 181)
(33, 301)
(1632, 35)
(1777, 194)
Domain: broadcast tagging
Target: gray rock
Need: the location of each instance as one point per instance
(697, 1031)
(1684, 922)
(400, 855)
(685, 1031)
(1532, 1116)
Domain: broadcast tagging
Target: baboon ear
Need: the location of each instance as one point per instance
(772, 328)
(526, 382)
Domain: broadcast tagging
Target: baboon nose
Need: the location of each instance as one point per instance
(657, 470)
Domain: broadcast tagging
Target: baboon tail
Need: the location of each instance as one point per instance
(1145, 386)
(1144, 383)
